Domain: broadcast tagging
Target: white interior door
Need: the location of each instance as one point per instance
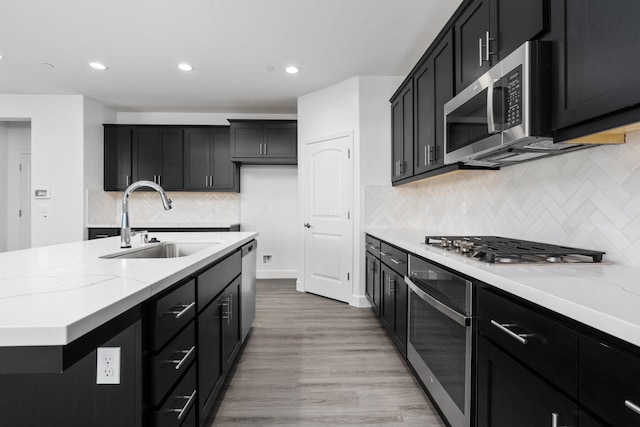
(25, 200)
(328, 200)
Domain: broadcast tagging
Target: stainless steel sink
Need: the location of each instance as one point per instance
(163, 250)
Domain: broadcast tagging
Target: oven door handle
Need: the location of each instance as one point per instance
(461, 319)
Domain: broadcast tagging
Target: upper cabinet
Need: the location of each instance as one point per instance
(264, 141)
(177, 158)
(402, 133)
(596, 57)
(488, 30)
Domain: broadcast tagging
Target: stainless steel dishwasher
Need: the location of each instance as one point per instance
(248, 287)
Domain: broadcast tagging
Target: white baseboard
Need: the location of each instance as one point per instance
(359, 301)
(276, 274)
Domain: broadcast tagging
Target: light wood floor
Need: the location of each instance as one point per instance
(311, 361)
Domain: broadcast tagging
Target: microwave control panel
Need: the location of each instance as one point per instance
(513, 100)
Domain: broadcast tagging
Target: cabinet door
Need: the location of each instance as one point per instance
(433, 85)
(171, 174)
(247, 139)
(225, 172)
(147, 154)
(470, 36)
(387, 306)
(117, 154)
(509, 395)
(231, 328)
(596, 59)
(197, 158)
(515, 22)
(402, 134)
(401, 301)
(280, 139)
(210, 360)
(373, 282)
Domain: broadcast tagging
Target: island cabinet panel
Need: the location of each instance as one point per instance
(596, 58)
(173, 312)
(179, 405)
(214, 280)
(210, 368)
(395, 294)
(231, 336)
(72, 398)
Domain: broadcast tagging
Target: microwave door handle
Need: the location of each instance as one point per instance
(491, 121)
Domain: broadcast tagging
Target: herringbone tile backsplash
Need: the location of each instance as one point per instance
(588, 199)
(145, 208)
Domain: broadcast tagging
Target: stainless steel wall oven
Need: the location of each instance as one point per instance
(440, 336)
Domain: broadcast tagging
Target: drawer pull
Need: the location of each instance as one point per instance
(187, 354)
(635, 408)
(384, 254)
(554, 420)
(521, 338)
(396, 262)
(182, 309)
(181, 412)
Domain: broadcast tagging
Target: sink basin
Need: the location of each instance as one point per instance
(163, 250)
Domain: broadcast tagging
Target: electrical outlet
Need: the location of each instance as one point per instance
(266, 259)
(108, 365)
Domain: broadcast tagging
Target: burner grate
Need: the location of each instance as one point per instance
(492, 248)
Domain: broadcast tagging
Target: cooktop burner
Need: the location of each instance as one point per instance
(494, 249)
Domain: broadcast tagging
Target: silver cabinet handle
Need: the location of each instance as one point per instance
(227, 316)
(480, 52)
(635, 408)
(184, 309)
(182, 411)
(396, 262)
(384, 254)
(206, 181)
(261, 148)
(127, 178)
(429, 154)
(521, 338)
(488, 47)
(265, 148)
(187, 354)
(159, 180)
(554, 420)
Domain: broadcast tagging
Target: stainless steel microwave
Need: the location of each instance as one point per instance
(504, 117)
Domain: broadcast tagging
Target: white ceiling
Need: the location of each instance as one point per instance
(230, 44)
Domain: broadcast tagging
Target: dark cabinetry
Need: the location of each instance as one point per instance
(264, 141)
(177, 158)
(596, 55)
(372, 273)
(488, 30)
(208, 164)
(510, 395)
(402, 133)
(394, 299)
(433, 86)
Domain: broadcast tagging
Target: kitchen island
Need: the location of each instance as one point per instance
(59, 304)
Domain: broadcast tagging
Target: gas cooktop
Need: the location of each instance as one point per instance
(494, 249)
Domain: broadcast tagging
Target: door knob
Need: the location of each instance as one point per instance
(307, 225)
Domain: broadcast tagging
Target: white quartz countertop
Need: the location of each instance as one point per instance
(53, 295)
(167, 225)
(603, 296)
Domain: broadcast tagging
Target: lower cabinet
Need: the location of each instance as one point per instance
(510, 395)
(372, 288)
(193, 339)
(393, 312)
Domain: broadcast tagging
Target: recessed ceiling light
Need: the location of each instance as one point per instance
(97, 66)
(185, 67)
(292, 70)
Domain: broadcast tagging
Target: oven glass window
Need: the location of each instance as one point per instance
(441, 344)
(468, 123)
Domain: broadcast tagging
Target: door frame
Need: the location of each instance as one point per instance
(354, 279)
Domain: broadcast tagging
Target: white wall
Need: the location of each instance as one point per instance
(269, 205)
(19, 141)
(359, 105)
(4, 165)
(56, 162)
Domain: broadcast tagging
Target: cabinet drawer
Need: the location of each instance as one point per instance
(172, 362)
(394, 258)
(609, 384)
(214, 280)
(172, 312)
(543, 344)
(179, 404)
(372, 245)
